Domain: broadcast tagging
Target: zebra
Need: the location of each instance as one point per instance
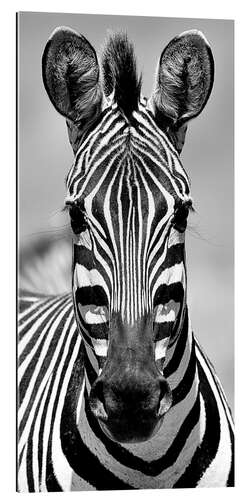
(115, 390)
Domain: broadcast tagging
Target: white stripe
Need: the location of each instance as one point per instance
(93, 315)
(84, 277)
(35, 440)
(169, 276)
(100, 346)
(83, 239)
(175, 238)
(92, 358)
(160, 348)
(167, 312)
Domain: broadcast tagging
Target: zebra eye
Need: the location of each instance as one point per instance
(77, 219)
(180, 218)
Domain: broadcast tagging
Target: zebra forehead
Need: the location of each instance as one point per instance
(136, 150)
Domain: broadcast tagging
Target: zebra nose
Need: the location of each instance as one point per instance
(104, 402)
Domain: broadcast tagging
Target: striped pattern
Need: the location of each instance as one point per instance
(130, 254)
(61, 445)
(128, 258)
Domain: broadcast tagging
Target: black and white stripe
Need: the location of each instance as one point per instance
(128, 204)
(63, 448)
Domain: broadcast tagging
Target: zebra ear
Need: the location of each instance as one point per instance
(184, 83)
(71, 78)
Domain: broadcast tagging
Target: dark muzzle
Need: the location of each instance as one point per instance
(130, 397)
(130, 408)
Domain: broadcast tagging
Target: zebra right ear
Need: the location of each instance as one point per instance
(71, 78)
(184, 82)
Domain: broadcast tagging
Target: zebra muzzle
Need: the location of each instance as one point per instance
(133, 414)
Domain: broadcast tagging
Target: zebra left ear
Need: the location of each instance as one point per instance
(184, 82)
(71, 77)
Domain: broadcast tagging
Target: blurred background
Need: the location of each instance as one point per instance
(45, 157)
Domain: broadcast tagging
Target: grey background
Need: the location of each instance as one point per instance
(45, 157)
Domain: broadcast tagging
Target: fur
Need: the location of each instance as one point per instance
(120, 73)
(71, 75)
(185, 78)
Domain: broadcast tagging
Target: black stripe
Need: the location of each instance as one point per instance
(207, 450)
(21, 456)
(181, 343)
(29, 465)
(91, 373)
(175, 255)
(162, 330)
(82, 331)
(230, 480)
(98, 331)
(83, 256)
(165, 293)
(86, 295)
(182, 390)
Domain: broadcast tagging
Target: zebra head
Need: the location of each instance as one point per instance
(128, 197)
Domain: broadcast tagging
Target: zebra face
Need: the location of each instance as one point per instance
(128, 198)
(128, 214)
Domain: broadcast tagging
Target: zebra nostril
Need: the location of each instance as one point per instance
(165, 399)
(98, 409)
(97, 401)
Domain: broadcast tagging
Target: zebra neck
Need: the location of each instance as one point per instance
(182, 425)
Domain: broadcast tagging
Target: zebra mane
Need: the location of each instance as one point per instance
(120, 73)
